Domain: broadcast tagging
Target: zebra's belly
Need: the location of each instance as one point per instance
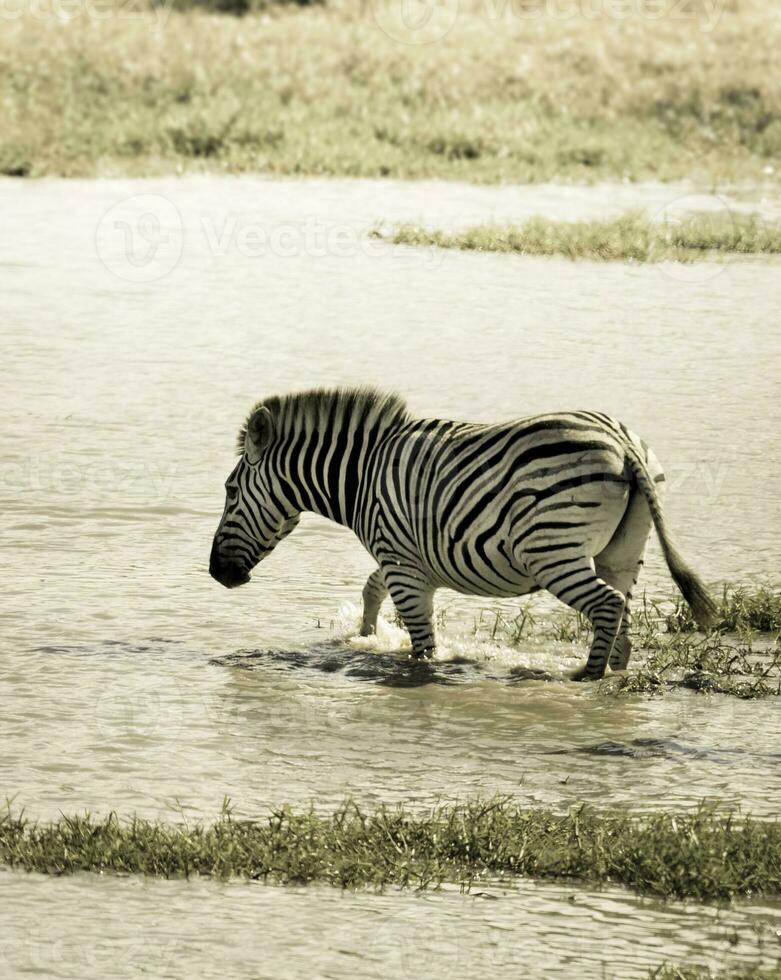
(499, 590)
(482, 572)
(490, 559)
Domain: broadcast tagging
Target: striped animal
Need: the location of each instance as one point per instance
(563, 502)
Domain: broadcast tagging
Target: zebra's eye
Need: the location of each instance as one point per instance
(232, 493)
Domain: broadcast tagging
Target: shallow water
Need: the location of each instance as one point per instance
(140, 321)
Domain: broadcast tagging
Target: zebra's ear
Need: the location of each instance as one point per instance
(260, 430)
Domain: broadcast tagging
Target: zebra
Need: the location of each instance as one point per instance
(562, 501)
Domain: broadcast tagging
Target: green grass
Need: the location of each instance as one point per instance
(708, 664)
(739, 609)
(744, 610)
(704, 855)
(671, 972)
(331, 90)
(629, 237)
(668, 652)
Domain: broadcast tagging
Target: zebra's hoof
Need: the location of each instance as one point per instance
(581, 674)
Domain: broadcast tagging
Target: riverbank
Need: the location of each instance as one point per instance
(498, 94)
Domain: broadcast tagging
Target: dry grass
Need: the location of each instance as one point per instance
(502, 96)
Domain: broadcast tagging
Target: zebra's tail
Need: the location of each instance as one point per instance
(688, 581)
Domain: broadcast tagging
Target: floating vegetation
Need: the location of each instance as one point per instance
(630, 237)
(702, 855)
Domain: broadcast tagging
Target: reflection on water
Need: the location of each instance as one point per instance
(390, 670)
(642, 748)
(535, 930)
(132, 682)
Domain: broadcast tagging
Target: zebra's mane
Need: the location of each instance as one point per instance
(319, 404)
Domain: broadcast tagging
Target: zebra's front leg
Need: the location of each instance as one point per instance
(414, 600)
(374, 592)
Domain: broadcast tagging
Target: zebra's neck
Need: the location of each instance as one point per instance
(325, 443)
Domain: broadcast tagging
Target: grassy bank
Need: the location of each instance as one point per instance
(703, 855)
(504, 92)
(629, 237)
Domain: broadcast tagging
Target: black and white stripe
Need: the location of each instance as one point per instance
(563, 502)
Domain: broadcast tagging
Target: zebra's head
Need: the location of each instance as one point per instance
(257, 515)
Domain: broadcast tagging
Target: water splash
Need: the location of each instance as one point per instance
(546, 659)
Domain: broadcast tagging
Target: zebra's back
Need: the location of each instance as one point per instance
(473, 503)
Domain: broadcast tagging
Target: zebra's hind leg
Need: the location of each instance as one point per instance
(620, 563)
(414, 600)
(575, 582)
(622, 582)
(622, 648)
(374, 592)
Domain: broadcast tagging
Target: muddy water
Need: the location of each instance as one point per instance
(139, 322)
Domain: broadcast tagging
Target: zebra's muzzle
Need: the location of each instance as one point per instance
(226, 572)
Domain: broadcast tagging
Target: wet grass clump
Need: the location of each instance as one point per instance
(629, 237)
(703, 855)
(740, 609)
(670, 972)
(707, 664)
(746, 664)
(736, 657)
